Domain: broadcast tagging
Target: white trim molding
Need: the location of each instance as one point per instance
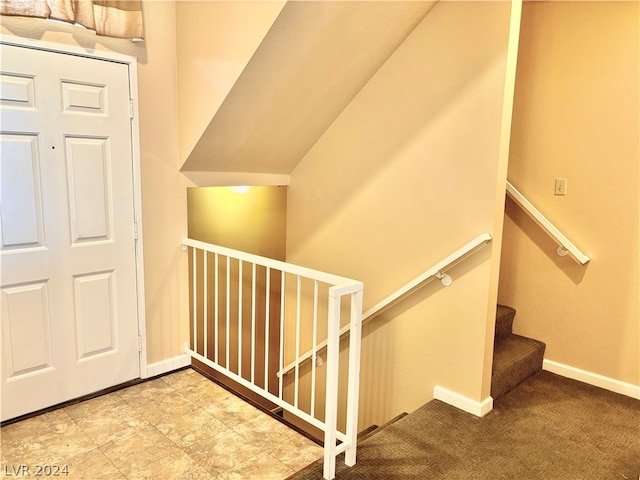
(479, 409)
(617, 386)
(168, 365)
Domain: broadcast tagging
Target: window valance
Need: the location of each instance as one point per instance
(112, 18)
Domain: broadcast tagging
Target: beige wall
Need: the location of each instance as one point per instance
(164, 207)
(405, 175)
(215, 41)
(253, 222)
(577, 116)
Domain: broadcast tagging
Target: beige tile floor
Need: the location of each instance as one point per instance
(180, 426)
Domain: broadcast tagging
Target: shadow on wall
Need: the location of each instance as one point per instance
(574, 271)
(382, 341)
(441, 62)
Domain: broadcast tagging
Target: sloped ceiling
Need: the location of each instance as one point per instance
(314, 59)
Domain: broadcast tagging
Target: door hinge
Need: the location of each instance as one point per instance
(139, 343)
(130, 108)
(135, 231)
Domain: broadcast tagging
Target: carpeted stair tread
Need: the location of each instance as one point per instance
(367, 431)
(515, 358)
(549, 427)
(504, 321)
(376, 429)
(315, 467)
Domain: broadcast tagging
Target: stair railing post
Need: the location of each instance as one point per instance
(331, 396)
(353, 388)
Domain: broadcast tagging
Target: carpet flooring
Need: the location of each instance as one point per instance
(549, 427)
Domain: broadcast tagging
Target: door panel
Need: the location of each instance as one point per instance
(69, 294)
(27, 328)
(95, 314)
(21, 216)
(17, 91)
(83, 98)
(89, 179)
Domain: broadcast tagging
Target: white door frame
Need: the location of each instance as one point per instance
(132, 64)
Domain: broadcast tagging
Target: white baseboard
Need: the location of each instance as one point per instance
(591, 378)
(168, 365)
(479, 409)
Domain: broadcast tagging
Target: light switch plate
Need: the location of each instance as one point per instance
(560, 186)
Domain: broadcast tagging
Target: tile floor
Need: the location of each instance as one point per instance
(180, 426)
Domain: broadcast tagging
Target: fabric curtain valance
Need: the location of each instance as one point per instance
(111, 18)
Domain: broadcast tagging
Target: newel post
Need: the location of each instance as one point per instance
(331, 396)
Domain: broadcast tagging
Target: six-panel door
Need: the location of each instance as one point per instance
(68, 271)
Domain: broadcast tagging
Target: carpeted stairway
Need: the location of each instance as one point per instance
(515, 358)
(408, 447)
(547, 428)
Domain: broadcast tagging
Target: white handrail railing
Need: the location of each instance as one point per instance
(436, 271)
(566, 246)
(220, 289)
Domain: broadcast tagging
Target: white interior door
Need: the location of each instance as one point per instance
(68, 265)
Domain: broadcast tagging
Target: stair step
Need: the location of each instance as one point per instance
(504, 321)
(375, 428)
(515, 358)
(367, 431)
